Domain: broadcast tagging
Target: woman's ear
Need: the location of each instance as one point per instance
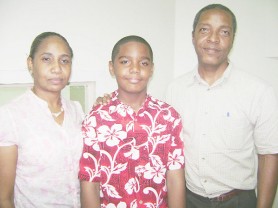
(30, 65)
(111, 69)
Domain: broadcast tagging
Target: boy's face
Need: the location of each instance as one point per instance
(132, 68)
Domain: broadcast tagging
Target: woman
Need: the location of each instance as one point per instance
(40, 137)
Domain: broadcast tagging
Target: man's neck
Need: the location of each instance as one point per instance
(212, 73)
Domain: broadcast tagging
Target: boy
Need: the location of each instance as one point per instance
(133, 152)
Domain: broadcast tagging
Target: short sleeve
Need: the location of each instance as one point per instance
(89, 164)
(266, 129)
(176, 146)
(7, 128)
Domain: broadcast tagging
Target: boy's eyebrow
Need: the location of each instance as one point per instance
(143, 57)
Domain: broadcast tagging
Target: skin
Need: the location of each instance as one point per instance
(132, 69)
(50, 68)
(213, 39)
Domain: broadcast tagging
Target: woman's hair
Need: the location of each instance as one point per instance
(131, 38)
(38, 40)
(215, 6)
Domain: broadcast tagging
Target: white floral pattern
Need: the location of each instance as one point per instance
(129, 153)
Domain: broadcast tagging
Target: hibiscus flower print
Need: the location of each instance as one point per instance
(156, 173)
(176, 159)
(112, 136)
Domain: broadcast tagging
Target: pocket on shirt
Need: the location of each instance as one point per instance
(236, 132)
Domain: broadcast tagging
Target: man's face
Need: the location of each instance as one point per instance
(213, 37)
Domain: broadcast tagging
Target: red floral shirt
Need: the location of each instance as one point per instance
(129, 153)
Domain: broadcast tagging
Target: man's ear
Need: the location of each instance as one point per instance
(111, 69)
(30, 65)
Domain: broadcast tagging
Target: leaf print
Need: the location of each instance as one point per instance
(162, 139)
(134, 204)
(105, 115)
(112, 136)
(176, 123)
(130, 126)
(132, 186)
(159, 128)
(156, 160)
(119, 168)
(111, 191)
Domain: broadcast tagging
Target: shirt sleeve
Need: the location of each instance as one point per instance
(7, 128)
(176, 146)
(266, 128)
(89, 165)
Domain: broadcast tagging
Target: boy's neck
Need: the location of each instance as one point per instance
(134, 100)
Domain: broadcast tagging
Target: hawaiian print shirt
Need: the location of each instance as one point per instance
(129, 153)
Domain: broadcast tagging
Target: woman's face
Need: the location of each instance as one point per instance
(51, 65)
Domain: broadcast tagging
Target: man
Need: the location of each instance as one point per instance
(230, 122)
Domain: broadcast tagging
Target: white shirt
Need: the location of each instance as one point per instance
(225, 126)
(48, 154)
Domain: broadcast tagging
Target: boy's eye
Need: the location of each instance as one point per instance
(124, 61)
(145, 63)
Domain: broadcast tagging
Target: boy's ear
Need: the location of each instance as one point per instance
(111, 69)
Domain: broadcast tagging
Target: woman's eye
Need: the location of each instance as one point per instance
(65, 61)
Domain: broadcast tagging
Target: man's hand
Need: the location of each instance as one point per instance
(103, 100)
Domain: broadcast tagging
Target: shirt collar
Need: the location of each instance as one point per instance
(196, 78)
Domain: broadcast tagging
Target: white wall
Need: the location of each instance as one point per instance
(92, 27)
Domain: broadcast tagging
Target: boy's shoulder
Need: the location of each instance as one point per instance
(163, 105)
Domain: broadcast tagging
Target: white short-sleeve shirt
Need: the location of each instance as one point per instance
(225, 126)
(48, 153)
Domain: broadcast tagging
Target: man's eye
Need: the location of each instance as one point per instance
(225, 32)
(45, 59)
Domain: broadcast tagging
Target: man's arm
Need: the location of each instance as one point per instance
(8, 161)
(175, 181)
(267, 180)
(90, 196)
